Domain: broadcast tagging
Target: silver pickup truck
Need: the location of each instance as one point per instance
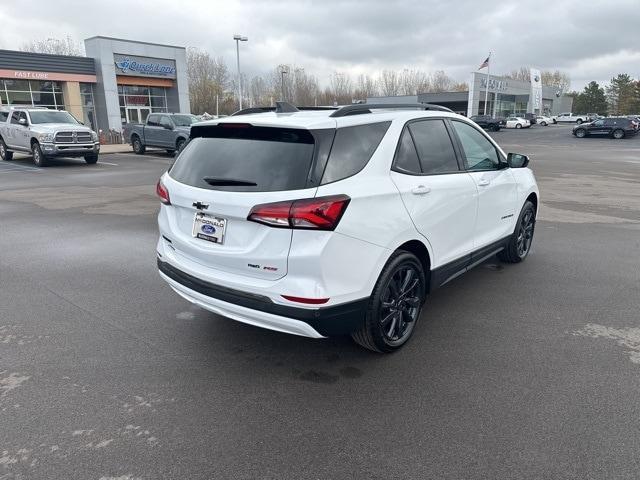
(162, 130)
(45, 134)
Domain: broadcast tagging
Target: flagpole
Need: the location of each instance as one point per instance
(486, 91)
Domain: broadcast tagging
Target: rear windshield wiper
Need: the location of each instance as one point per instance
(228, 182)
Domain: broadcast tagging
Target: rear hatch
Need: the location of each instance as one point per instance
(220, 175)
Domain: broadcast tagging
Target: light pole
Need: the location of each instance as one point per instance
(238, 39)
(283, 70)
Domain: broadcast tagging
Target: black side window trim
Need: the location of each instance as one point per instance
(462, 163)
(452, 139)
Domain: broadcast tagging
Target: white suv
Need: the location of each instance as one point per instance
(332, 222)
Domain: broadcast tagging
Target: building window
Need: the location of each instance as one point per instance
(137, 101)
(88, 106)
(33, 93)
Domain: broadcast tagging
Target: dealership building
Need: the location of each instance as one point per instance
(505, 97)
(117, 81)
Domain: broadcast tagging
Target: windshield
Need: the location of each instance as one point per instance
(184, 120)
(52, 116)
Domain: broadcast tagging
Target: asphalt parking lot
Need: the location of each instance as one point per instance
(526, 371)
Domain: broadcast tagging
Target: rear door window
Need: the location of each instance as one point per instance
(352, 149)
(434, 146)
(240, 157)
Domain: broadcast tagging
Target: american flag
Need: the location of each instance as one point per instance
(484, 64)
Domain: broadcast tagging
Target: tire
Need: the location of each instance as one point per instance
(555, 121)
(581, 133)
(618, 134)
(39, 158)
(579, 121)
(544, 124)
(519, 243)
(496, 128)
(138, 147)
(518, 125)
(91, 159)
(394, 306)
(5, 155)
(180, 144)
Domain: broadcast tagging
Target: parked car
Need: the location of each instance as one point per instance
(517, 122)
(531, 117)
(46, 134)
(614, 127)
(487, 122)
(164, 130)
(570, 118)
(636, 121)
(543, 120)
(340, 221)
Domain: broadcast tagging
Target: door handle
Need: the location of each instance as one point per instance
(483, 182)
(420, 190)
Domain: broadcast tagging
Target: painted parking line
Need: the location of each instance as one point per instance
(107, 163)
(10, 167)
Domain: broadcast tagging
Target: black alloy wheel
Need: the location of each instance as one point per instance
(519, 244)
(395, 304)
(525, 233)
(581, 133)
(618, 134)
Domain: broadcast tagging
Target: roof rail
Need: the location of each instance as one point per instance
(360, 108)
(281, 107)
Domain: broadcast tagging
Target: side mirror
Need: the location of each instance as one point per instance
(516, 160)
(23, 122)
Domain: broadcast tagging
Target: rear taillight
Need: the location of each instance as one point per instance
(322, 213)
(163, 193)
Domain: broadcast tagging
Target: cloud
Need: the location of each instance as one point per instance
(593, 43)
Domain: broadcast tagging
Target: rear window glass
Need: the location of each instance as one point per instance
(251, 159)
(352, 149)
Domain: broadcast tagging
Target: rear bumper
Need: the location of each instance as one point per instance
(70, 149)
(261, 311)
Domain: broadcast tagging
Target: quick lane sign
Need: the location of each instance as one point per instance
(144, 66)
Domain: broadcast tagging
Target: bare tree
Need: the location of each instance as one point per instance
(460, 87)
(441, 82)
(208, 78)
(523, 74)
(389, 83)
(557, 79)
(413, 82)
(366, 87)
(54, 46)
(549, 78)
(341, 88)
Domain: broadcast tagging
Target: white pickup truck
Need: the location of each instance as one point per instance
(569, 118)
(45, 133)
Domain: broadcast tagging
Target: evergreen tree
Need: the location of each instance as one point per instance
(621, 94)
(591, 100)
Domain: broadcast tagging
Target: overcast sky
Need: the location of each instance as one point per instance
(589, 39)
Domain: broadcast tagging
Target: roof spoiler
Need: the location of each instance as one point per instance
(361, 108)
